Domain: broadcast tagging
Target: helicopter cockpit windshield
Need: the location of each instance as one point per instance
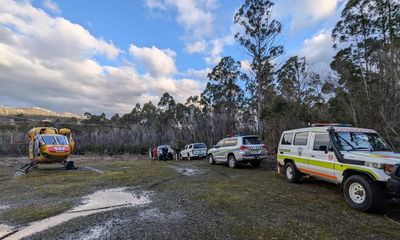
(53, 140)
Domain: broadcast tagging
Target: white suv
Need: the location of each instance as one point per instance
(357, 158)
(194, 150)
(234, 150)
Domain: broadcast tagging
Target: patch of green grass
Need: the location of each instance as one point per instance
(33, 212)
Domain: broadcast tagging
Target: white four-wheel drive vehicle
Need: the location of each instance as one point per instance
(194, 150)
(236, 150)
(357, 158)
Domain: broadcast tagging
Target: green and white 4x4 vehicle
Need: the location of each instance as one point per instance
(234, 150)
(357, 158)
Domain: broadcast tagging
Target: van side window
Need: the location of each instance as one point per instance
(287, 139)
(321, 142)
(230, 142)
(300, 139)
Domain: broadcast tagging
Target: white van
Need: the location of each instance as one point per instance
(357, 158)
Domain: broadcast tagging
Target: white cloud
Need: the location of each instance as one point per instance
(318, 50)
(52, 6)
(159, 62)
(195, 16)
(303, 13)
(51, 62)
(198, 74)
(196, 47)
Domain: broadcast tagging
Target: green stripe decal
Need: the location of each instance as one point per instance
(336, 166)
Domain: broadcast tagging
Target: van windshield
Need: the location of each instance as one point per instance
(199, 145)
(354, 141)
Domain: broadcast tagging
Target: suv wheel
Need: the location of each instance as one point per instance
(211, 159)
(362, 193)
(232, 161)
(291, 173)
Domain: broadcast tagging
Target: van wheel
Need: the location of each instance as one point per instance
(362, 193)
(232, 161)
(211, 159)
(291, 173)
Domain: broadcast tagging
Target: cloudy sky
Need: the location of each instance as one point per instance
(106, 56)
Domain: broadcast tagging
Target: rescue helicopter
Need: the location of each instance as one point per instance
(49, 145)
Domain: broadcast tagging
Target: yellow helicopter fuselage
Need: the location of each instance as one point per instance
(50, 145)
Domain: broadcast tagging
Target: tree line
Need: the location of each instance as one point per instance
(274, 96)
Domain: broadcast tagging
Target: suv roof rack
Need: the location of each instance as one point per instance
(329, 125)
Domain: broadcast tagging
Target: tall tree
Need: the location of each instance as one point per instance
(258, 37)
(223, 92)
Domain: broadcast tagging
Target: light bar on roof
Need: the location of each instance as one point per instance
(355, 130)
(330, 125)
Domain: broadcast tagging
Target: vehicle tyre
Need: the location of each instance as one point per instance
(291, 173)
(211, 159)
(256, 163)
(232, 161)
(362, 193)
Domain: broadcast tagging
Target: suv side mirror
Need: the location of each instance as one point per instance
(323, 148)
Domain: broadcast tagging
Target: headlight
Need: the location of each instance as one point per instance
(388, 168)
(374, 165)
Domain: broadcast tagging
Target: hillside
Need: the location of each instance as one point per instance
(36, 111)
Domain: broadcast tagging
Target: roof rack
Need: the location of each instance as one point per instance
(329, 125)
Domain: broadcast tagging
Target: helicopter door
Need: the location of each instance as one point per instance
(36, 149)
(71, 142)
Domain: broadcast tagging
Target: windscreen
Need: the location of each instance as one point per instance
(49, 140)
(354, 141)
(251, 141)
(62, 140)
(199, 145)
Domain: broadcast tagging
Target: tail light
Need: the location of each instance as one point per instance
(244, 148)
(388, 168)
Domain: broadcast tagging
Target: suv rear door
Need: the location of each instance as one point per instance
(218, 151)
(300, 150)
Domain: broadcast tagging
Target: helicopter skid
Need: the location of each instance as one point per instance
(27, 167)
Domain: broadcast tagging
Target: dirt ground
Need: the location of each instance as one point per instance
(188, 200)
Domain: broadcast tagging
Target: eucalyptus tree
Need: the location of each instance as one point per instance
(259, 38)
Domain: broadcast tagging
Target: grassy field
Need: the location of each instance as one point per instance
(219, 202)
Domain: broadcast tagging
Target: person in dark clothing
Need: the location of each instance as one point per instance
(165, 153)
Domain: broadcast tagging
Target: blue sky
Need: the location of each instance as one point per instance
(104, 56)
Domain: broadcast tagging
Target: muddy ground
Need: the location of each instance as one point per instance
(188, 200)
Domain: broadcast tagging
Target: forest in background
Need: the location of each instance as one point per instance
(271, 96)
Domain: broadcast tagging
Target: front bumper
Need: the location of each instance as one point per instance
(393, 183)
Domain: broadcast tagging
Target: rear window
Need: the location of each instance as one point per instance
(301, 139)
(200, 145)
(251, 141)
(230, 142)
(287, 139)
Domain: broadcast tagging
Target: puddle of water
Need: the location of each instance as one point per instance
(5, 230)
(4, 207)
(94, 169)
(97, 202)
(189, 171)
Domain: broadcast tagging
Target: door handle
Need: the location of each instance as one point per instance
(312, 155)
(281, 152)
